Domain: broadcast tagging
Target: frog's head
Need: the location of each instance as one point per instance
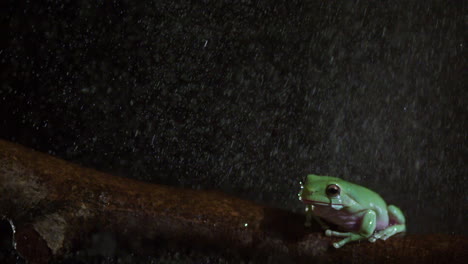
(325, 191)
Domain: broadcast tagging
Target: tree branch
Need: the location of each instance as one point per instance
(55, 205)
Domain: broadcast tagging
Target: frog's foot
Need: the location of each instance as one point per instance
(375, 236)
(348, 237)
(387, 232)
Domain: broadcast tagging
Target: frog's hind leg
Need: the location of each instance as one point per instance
(397, 224)
(367, 228)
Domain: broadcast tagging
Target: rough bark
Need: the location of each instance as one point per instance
(54, 206)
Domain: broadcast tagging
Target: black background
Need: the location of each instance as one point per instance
(248, 96)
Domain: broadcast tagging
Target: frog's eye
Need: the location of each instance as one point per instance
(333, 190)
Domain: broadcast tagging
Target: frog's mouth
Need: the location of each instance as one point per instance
(319, 203)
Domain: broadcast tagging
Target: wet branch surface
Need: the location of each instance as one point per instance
(55, 206)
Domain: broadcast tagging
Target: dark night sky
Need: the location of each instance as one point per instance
(248, 97)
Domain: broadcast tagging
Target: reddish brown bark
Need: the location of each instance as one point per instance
(54, 205)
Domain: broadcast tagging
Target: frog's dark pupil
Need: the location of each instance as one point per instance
(333, 189)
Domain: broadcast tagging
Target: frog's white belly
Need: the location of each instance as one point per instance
(345, 220)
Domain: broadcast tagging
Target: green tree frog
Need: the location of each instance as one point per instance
(358, 211)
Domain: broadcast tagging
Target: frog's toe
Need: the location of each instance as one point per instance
(336, 245)
(374, 237)
(388, 233)
(384, 238)
(328, 232)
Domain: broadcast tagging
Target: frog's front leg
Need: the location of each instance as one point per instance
(397, 224)
(310, 214)
(367, 229)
